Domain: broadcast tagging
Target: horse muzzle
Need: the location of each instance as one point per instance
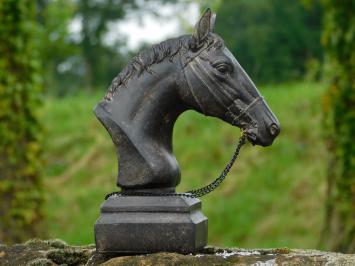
(263, 136)
(256, 120)
(265, 128)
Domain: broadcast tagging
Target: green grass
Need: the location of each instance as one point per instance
(273, 196)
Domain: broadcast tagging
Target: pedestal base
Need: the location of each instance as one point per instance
(146, 224)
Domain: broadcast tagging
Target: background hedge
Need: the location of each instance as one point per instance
(21, 194)
(339, 119)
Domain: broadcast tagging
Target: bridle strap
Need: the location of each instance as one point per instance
(235, 118)
(194, 70)
(192, 93)
(243, 112)
(199, 76)
(259, 98)
(183, 66)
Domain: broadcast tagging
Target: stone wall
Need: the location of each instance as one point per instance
(57, 252)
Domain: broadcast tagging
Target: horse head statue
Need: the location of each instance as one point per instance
(195, 72)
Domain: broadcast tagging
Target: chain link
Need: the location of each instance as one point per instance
(196, 193)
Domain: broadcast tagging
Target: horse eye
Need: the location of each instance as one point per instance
(223, 68)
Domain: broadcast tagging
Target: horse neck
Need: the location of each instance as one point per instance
(140, 119)
(150, 104)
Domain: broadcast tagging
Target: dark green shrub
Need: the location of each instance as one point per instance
(20, 130)
(339, 110)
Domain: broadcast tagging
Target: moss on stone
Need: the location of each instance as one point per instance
(57, 243)
(41, 262)
(56, 252)
(69, 256)
(282, 250)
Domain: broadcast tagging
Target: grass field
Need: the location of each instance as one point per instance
(273, 196)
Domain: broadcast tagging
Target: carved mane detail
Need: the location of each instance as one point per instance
(154, 55)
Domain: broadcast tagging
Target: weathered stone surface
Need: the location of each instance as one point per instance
(45, 252)
(56, 252)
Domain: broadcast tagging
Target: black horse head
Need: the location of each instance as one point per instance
(216, 85)
(190, 72)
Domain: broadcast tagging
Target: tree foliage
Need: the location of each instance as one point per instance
(98, 56)
(273, 40)
(20, 130)
(81, 59)
(60, 55)
(84, 59)
(339, 103)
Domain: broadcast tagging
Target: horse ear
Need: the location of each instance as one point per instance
(212, 22)
(202, 29)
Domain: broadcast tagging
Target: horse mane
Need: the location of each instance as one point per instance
(154, 55)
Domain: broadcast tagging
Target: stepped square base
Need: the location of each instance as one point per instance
(145, 224)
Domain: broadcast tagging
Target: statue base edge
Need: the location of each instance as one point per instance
(145, 224)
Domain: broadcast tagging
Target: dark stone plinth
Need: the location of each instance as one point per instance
(150, 224)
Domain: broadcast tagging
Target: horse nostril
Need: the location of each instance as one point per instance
(274, 129)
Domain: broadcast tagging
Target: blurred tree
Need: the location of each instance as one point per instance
(273, 39)
(59, 52)
(21, 194)
(81, 59)
(95, 18)
(102, 61)
(84, 58)
(339, 104)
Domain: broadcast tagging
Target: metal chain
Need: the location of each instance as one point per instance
(196, 193)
